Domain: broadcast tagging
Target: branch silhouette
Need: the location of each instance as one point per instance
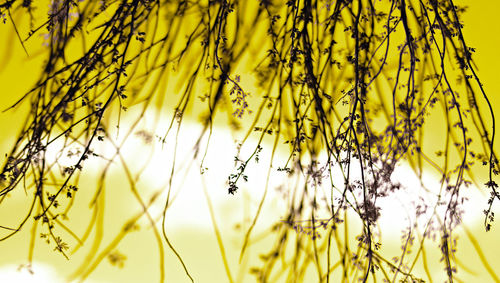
(351, 88)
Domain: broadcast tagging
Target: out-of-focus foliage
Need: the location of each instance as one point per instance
(352, 88)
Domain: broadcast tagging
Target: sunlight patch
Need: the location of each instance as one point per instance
(39, 273)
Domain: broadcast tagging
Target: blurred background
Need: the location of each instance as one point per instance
(204, 224)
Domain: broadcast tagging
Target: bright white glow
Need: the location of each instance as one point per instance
(39, 273)
(189, 206)
(189, 203)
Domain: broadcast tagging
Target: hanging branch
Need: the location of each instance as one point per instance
(351, 87)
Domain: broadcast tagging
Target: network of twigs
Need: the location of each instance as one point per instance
(356, 81)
